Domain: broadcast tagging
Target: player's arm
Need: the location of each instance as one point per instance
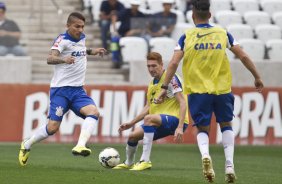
(138, 118)
(99, 51)
(248, 63)
(178, 135)
(54, 58)
(172, 67)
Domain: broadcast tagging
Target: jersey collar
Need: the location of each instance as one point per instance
(203, 25)
(69, 37)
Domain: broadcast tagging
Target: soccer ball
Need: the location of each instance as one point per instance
(109, 157)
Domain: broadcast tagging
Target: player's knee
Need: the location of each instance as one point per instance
(133, 138)
(52, 129)
(94, 112)
(204, 129)
(148, 120)
(225, 126)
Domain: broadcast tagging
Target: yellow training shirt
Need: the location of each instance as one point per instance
(206, 68)
(170, 106)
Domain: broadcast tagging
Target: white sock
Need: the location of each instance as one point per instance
(228, 145)
(130, 154)
(203, 143)
(87, 128)
(147, 146)
(38, 136)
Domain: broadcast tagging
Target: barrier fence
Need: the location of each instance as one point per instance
(24, 108)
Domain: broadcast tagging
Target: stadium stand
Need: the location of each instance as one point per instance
(164, 46)
(219, 5)
(241, 31)
(254, 18)
(38, 33)
(133, 49)
(271, 6)
(267, 32)
(256, 24)
(180, 30)
(274, 48)
(277, 19)
(227, 17)
(243, 6)
(255, 48)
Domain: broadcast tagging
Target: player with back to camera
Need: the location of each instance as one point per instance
(68, 54)
(160, 120)
(207, 80)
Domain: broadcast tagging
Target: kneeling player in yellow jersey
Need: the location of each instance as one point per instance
(160, 120)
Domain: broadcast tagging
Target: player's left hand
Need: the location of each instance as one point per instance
(100, 51)
(178, 135)
(161, 97)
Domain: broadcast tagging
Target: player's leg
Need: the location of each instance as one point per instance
(201, 109)
(151, 122)
(84, 106)
(58, 107)
(131, 148)
(224, 114)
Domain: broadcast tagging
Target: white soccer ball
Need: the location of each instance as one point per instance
(109, 157)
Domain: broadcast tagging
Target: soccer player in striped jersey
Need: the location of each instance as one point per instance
(68, 54)
(160, 120)
(207, 80)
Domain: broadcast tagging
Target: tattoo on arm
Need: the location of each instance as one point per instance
(54, 58)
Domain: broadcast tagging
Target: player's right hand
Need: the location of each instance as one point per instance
(69, 59)
(161, 97)
(259, 84)
(124, 126)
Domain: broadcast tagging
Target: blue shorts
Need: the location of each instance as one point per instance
(168, 126)
(64, 98)
(203, 105)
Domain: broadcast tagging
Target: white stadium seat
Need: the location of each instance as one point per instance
(181, 5)
(126, 3)
(219, 5)
(274, 48)
(179, 30)
(267, 32)
(240, 31)
(277, 19)
(95, 8)
(180, 15)
(133, 49)
(224, 18)
(271, 6)
(243, 6)
(163, 45)
(189, 17)
(254, 18)
(254, 48)
(155, 5)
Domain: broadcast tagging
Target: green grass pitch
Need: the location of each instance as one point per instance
(172, 164)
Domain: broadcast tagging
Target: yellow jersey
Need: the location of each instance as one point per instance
(206, 68)
(170, 106)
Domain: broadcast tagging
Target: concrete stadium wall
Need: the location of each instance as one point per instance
(270, 72)
(15, 69)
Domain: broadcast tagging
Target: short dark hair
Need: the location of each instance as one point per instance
(75, 15)
(201, 8)
(155, 56)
